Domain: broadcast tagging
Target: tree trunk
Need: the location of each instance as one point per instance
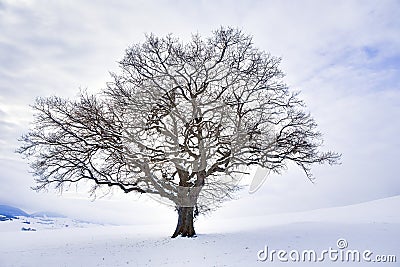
(185, 226)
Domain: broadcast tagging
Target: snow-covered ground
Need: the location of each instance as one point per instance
(372, 226)
(22, 223)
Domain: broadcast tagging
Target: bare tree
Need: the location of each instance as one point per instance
(179, 121)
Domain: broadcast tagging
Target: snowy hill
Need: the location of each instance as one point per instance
(15, 219)
(9, 211)
(47, 214)
(372, 229)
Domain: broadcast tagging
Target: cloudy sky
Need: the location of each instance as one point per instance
(344, 56)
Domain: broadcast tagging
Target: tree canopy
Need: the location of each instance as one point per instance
(178, 120)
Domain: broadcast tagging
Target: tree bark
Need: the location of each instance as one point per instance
(185, 226)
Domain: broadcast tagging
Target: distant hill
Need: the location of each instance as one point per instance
(47, 214)
(9, 211)
(12, 212)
